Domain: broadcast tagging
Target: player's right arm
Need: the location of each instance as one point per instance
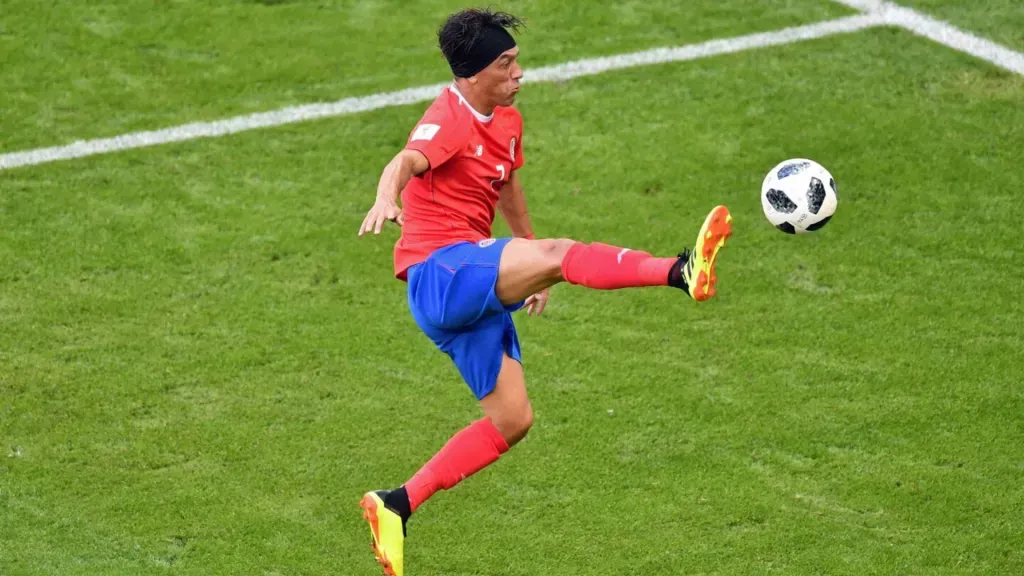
(396, 175)
(439, 135)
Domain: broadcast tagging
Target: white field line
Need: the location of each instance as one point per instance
(955, 38)
(346, 106)
(876, 13)
(942, 33)
(703, 50)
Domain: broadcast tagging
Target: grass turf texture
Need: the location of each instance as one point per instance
(85, 70)
(203, 367)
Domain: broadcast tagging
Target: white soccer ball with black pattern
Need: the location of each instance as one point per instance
(799, 196)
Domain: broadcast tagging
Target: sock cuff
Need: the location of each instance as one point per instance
(570, 256)
(491, 432)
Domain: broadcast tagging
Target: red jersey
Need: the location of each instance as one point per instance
(471, 157)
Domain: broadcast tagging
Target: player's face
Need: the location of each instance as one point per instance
(501, 78)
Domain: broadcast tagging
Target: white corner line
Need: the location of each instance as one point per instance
(941, 32)
(569, 70)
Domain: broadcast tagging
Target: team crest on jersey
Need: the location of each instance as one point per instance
(486, 243)
(479, 149)
(512, 149)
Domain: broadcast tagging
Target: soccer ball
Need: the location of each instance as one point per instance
(798, 196)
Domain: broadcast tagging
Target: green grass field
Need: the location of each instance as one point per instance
(202, 368)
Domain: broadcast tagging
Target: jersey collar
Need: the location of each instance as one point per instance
(462, 100)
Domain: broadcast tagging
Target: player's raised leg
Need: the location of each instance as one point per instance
(529, 266)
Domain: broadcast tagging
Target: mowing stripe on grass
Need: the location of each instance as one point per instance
(346, 106)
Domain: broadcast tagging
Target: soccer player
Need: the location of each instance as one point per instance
(459, 164)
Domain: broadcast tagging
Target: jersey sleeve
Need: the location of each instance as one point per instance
(517, 155)
(439, 136)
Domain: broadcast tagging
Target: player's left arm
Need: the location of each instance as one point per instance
(512, 205)
(511, 201)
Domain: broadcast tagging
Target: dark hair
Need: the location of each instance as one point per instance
(462, 29)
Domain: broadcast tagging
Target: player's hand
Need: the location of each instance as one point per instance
(535, 304)
(382, 211)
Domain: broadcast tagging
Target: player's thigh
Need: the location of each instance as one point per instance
(529, 266)
(508, 405)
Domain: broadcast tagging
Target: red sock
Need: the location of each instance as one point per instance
(469, 451)
(609, 267)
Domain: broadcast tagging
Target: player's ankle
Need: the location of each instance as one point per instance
(675, 275)
(398, 502)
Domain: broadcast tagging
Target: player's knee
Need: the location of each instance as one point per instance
(554, 251)
(522, 425)
(526, 421)
(556, 247)
(515, 426)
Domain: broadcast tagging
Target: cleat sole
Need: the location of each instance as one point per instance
(716, 230)
(369, 506)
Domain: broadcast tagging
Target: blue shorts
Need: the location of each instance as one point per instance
(452, 299)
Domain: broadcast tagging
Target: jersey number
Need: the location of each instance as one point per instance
(501, 176)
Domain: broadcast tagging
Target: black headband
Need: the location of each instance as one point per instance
(492, 41)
